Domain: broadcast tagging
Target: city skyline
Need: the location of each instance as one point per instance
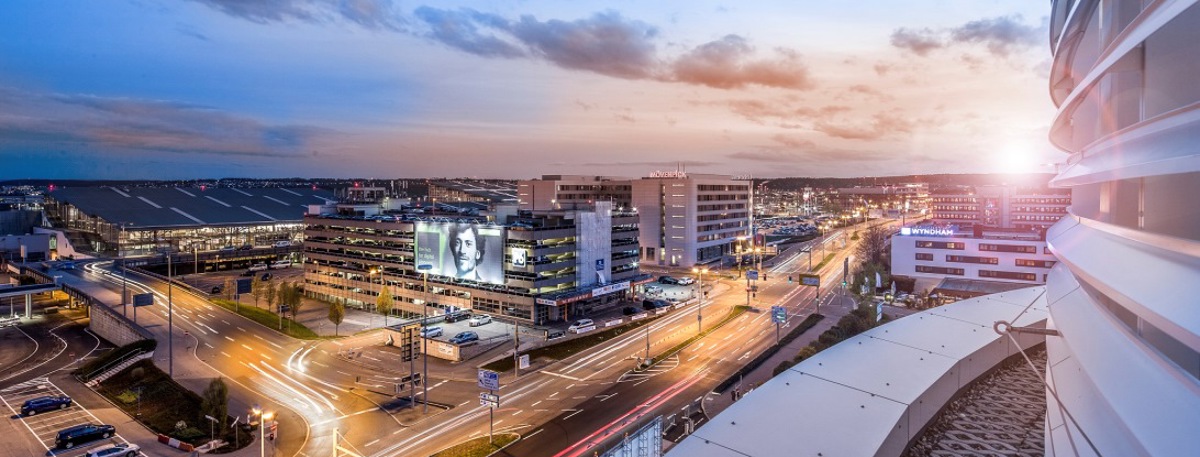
(166, 90)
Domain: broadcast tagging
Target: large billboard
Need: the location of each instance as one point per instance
(461, 250)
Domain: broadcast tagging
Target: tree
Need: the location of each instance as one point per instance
(872, 247)
(214, 401)
(337, 313)
(257, 289)
(383, 303)
(271, 294)
(295, 300)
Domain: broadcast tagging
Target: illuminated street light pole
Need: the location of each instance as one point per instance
(700, 307)
(424, 269)
(263, 417)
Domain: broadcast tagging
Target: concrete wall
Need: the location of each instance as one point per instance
(113, 327)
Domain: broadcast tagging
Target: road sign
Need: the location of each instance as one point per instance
(778, 314)
(523, 361)
(489, 400)
(243, 286)
(752, 274)
(810, 280)
(489, 380)
(143, 299)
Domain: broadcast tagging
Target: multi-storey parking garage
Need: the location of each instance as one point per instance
(535, 267)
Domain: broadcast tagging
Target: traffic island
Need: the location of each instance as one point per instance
(269, 320)
(733, 313)
(152, 398)
(479, 447)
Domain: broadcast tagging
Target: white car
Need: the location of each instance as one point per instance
(115, 450)
(259, 267)
(581, 325)
(281, 264)
(686, 281)
(479, 319)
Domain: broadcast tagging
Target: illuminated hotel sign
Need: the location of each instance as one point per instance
(669, 174)
(926, 231)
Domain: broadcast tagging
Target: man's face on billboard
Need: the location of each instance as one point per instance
(465, 249)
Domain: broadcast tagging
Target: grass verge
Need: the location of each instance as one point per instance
(268, 319)
(163, 404)
(824, 261)
(478, 447)
(735, 312)
(568, 348)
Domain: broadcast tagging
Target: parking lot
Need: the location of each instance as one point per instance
(45, 426)
(495, 329)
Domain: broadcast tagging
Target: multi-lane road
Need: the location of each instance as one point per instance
(562, 409)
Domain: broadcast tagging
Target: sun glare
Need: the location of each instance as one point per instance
(1014, 157)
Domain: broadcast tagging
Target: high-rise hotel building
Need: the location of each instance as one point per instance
(684, 218)
(1125, 371)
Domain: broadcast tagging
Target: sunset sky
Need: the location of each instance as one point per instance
(153, 89)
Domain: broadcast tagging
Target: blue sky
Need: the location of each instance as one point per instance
(151, 89)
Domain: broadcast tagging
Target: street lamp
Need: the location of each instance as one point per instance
(424, 269)
(263, 417)
(700, 307)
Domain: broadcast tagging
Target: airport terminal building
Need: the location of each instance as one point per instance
(529, 266)
(141, 220)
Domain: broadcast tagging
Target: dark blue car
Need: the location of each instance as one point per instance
(43, 404)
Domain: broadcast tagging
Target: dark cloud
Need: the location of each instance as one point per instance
(370, 14)
(145, 125)
(469, 31)
(728, 63)
(919, 41)
(1003, 35)
(605, 43)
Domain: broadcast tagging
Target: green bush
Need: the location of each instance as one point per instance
(268, 319)
(127, 397)
(189, 434)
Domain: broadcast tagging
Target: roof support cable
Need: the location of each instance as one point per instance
(1009, 330)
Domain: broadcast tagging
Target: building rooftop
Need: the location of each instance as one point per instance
(146, 207)
(873, 393)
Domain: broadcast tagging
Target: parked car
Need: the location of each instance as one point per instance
(265, 277)
(259, 267)
(431, 332)
(248, 273)
(655, 304)
(71, 436)
(479, 319)
(555, 334)
(652, 289)
(464, 337)
(43, 404)
(284, 308)
(278, 264)
(246, 247)
(114, 450)
(457, 316)
(215, 290)
(283, 244)
(686, 281)
(581, 325)
(66, 265)
(667, 280)
(228, 249)
(629, 310)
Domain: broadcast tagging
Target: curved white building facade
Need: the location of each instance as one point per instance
(1125, 296)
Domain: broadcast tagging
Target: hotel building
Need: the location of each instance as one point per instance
(1032, 209)
(685, 219)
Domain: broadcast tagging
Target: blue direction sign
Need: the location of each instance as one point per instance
(489, 380)
(143, 299)
(752, 274)
(778, 314)
(243, 286)
(810, 280)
